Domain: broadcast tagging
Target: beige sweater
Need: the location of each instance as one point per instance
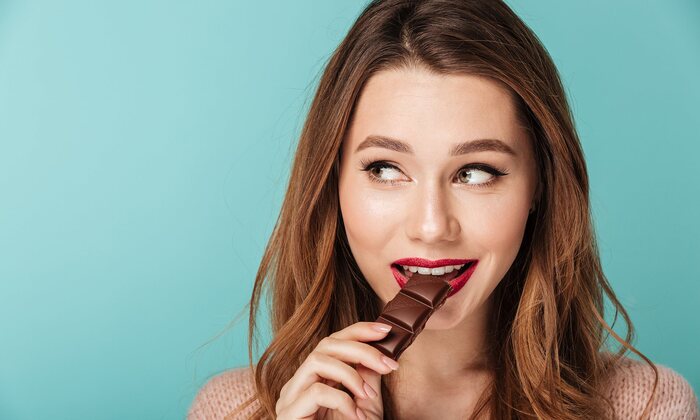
(629, 390)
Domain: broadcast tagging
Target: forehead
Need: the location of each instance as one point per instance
(430, 109)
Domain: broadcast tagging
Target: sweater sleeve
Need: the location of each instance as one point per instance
(222, 394)
(631, 387)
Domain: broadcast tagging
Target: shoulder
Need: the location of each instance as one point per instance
(222, 394)
(630, 384)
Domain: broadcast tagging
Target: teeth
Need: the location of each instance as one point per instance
(438, 271)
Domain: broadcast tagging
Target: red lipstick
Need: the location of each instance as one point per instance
(420, 262)
(459, 280)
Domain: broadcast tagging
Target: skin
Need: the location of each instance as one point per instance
(434, 210)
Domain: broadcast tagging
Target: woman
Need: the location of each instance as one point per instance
(440, 138)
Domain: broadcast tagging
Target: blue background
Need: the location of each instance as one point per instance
(144, 151)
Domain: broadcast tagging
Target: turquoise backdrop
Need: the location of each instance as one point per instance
(145, 147)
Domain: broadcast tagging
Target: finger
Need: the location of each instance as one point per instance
(362, 331)
(354, 352)
(320, 366)
(320, 395)
(372, 405)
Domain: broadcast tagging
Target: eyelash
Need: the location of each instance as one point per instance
(367, 166)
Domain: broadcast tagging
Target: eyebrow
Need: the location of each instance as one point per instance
(472, 146)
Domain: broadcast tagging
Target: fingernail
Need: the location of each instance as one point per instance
(390, 362)
(381, 327)
(369, 390)
(360, 414)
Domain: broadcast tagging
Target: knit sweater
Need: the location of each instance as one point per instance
(629, 390)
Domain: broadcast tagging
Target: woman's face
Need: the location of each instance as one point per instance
(414, 193)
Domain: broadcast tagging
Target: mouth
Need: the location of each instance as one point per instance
(457, 276)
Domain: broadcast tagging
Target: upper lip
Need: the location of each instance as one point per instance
(421, 262)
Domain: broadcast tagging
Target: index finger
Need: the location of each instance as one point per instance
(363, 331)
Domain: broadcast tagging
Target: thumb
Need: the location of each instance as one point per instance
(373, 407)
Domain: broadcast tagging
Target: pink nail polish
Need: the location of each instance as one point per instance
(390, 362)
(381, 327)
(369, 390)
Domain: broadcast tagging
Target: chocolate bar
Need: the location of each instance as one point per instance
(408, 312)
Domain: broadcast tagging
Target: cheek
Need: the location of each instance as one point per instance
(506, 217)
(369, 218)
(500, 228)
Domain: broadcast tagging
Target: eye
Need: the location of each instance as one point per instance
(474, 175)
(480, 175)
(377, 169)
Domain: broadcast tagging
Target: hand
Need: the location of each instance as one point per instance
(345, 358)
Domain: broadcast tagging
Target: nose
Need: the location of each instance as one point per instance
(431, 218)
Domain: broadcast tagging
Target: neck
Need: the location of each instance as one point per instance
(440, 358)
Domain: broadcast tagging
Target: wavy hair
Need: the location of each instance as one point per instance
(549, 330)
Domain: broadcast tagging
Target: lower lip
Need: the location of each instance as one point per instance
(457, 283)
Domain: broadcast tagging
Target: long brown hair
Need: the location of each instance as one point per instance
(548, 331)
